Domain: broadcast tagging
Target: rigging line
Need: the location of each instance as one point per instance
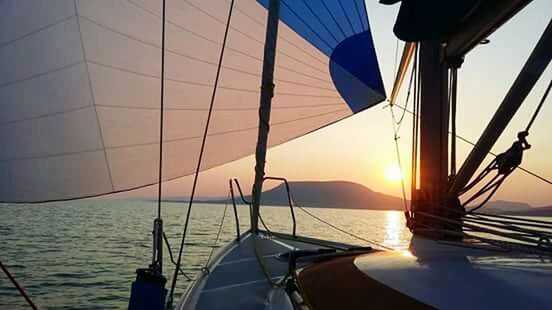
(493, 188)
(397, 126)
(541, 103)
(7, 43)
(202, 149)
(410, 83)
(507, 245)
(169, 249)
(333, 18)
(250, 37)
(518, 167)
(220, 133)
(306, 24)
(347, 17)
(237, 51)
(493, 154)
(541, 229)
(214, 246)
(343, 230)
(321, 21)
(479, 228)
(397, 150)
(19, 288)
(161, 115)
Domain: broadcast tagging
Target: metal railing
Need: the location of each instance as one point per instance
(245, 201)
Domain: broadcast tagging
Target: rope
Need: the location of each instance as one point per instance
(18, 287)
(343, 230)
(534, 174)
(397, 126)
(398, 153)
(504, 163)
(219, 231)
(541, 103)
(172, 257)
(265, 269)
(198, 167)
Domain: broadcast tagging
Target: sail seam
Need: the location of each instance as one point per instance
(7, 43)
(353, 31)
(255, 91)
(100, 131)
(113, 106)
(219, 109)
(242, 52)
(282, 37)
(364, 21)
(334, 18)
(359, 15)
(220, 133)
(319, 19)
(32, 118)
(308, 26)
(37, 75)
(130, 37)
(251, 37)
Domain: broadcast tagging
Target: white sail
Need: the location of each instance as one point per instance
(80, 87)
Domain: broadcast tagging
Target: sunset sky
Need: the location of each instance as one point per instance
(361, 148)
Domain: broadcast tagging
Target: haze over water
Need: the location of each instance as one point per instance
(84, 254)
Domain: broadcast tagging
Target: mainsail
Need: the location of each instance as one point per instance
(80, 84)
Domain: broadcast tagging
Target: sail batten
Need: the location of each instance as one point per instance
(79, 87)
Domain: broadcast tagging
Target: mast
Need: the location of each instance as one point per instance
(267, 92)
(436, 59)
(434, 118)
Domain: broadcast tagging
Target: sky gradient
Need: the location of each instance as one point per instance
(361, 148)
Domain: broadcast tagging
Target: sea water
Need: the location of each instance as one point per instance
(83, 255)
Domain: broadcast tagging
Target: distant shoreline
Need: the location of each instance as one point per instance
(535, 212)
(354, 196)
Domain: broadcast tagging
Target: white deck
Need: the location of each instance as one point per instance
(236, 280)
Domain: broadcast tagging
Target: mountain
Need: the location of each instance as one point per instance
(331, 194)
(506, 207)
(540, 211)
(350, 195)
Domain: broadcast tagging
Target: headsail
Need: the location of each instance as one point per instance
(79, 87)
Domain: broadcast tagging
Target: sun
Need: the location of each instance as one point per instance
(393, 173)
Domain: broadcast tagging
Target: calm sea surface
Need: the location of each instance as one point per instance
(83, 255)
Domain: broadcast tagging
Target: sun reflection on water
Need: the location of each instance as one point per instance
(394, 225)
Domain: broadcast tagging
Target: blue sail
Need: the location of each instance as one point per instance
(340, 30)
